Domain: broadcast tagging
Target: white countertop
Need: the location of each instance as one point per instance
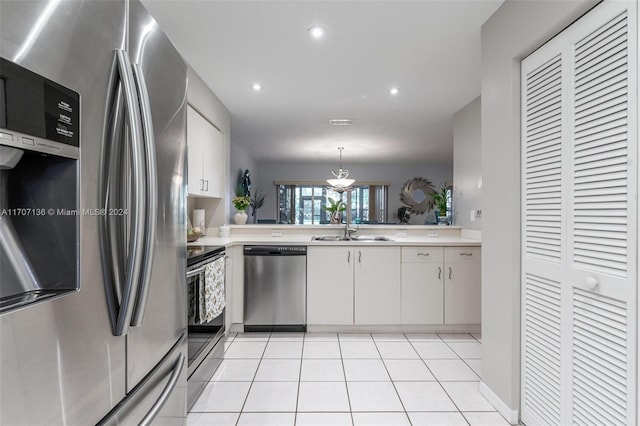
(245, 239)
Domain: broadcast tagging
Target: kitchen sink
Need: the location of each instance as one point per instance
(351, 238)
(370, 238)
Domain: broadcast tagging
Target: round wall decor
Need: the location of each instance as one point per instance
(416, 194)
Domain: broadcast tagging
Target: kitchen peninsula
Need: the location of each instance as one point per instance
(423, 278)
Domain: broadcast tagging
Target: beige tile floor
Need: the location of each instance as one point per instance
(331, 379)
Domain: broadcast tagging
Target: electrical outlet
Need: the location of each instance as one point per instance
(472, 216)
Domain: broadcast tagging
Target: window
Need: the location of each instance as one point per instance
(301, 203)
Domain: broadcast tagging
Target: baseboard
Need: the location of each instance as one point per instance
(462, 328)
(407, 328)
(512, 416)
(236, 328)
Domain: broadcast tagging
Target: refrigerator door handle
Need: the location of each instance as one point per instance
(121, 313)
(166, 393)
(110, 246)
(151, 194)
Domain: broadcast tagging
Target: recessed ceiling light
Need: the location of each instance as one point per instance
(316, 32)
(256, 86)
(341, 122)
(394, 91)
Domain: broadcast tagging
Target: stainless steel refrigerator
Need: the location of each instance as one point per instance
(96, 333)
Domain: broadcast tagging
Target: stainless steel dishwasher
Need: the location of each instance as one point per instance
(275, 288)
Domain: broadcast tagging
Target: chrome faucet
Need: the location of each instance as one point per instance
(347, 231)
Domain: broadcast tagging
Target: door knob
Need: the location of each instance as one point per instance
(591, 283)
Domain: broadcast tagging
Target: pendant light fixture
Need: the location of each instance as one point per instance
(341, 183)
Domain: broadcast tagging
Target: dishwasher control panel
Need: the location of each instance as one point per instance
(275, 250)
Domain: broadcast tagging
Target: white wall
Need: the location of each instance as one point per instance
(467, 167)
(201, 98)
(396, 174)
(516, 29)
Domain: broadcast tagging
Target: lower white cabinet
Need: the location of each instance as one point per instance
(366, 285)
(353, 285)
(422, 285)
(377, 285)
(440, 285)
(462, 285)
(330, 285)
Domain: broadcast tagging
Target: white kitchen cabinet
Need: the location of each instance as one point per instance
(353, 285)
(462, 285)
(422, 285)
(366, 285)
(330, 285)
(206, 157)
(377, 285)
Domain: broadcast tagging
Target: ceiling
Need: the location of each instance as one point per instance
(430, 50)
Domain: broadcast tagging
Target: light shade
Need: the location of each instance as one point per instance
(340, 183)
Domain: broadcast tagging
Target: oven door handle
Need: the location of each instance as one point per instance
(196, 271)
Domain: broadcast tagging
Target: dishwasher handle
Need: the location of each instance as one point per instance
(275, 250)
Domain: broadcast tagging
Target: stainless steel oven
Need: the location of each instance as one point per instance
(205, 274)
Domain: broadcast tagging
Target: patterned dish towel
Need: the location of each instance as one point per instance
(212, 300)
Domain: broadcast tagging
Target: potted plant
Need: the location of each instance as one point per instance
(241, 203)
(440, 199)
(334, 208)
(257, 201)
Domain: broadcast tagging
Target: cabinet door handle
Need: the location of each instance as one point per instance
(449, 272)
(207, 187)
(349, 257)
(439, 272)
(201, 184)
(359, 256)
(423, 254)
(466, 254)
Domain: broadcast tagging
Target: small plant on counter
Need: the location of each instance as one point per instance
(335, 208)
(241, 202)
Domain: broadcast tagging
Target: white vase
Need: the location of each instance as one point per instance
(240, 218)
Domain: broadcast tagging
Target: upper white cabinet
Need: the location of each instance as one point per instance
(206, 156)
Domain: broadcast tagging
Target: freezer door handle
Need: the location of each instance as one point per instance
(151, 193)
(166, 393)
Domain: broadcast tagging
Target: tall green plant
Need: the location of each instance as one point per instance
(440, 199)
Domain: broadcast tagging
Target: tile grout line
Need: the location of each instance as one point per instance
(253, 380)
(391, 379)
(445, 390)
(462, 359)
(344, 373)
(438, 380)
(295, 415)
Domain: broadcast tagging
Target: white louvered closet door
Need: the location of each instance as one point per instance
(579, 329)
